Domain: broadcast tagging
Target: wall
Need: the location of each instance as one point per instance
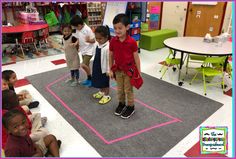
(228, 14)
(174, 15)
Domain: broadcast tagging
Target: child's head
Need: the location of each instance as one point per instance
(10, 77)
(77, 22)
(15, 122)
(9, 100)
(121, 25)
(67, 30)
(4, 85)
(102, 34)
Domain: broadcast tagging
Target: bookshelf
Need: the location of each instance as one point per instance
(94, 10)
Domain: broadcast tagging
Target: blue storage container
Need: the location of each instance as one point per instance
(135, 24)
(136, 37)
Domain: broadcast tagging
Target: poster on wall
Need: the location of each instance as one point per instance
(153, 25)
(154, 17)
(155, 10)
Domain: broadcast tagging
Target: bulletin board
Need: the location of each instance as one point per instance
(112, 9)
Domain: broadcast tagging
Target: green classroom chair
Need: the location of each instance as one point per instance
(192, 58)
(211, 67)
(170, 60)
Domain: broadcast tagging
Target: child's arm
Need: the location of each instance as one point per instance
(137, 61)
(89, 40)
(111, 60)
(107, 62)
(21, 96)
(75, 42)
(38, 152)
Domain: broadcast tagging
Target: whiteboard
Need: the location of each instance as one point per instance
(112, 9)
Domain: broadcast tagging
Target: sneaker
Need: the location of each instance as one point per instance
(44, 120)
(74, 83)
(34, 104)
(69, 80)
(119, 109)
(129, 110)
(105, 100)
(87, 83)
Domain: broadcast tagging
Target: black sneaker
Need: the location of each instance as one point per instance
(34, 104)
(119, 109)
(129, 110)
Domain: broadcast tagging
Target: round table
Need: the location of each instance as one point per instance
(16, 31)
(196, 45)
(23, 28)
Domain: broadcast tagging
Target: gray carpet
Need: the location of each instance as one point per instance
(164, 115)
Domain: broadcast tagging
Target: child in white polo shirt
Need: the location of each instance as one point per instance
(86, 44)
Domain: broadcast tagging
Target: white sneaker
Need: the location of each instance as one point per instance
(74, 83)
(69, 80)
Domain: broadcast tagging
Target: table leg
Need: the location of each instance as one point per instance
(174, 53)
(180, 83)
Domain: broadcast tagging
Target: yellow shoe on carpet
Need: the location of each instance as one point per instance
(105, 100)
(98, 95)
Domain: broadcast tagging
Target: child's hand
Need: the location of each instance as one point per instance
(111, 74)
(87, 39)
(20, 96)
(73, 44)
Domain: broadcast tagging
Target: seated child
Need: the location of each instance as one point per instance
(4, 85)
(19, 144)
(24, 96)
(10, 101)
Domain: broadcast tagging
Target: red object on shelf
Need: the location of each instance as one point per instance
(135, 31)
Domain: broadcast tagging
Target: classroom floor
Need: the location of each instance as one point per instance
(74, 145)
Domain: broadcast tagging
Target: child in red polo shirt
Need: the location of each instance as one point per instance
(123, 61)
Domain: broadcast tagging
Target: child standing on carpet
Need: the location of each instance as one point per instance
(86, 45)
(19, 144)
(124, 63)
(71, 53)
(24, 96)
(100, 75)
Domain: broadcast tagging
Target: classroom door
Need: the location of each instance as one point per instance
(204, 18)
